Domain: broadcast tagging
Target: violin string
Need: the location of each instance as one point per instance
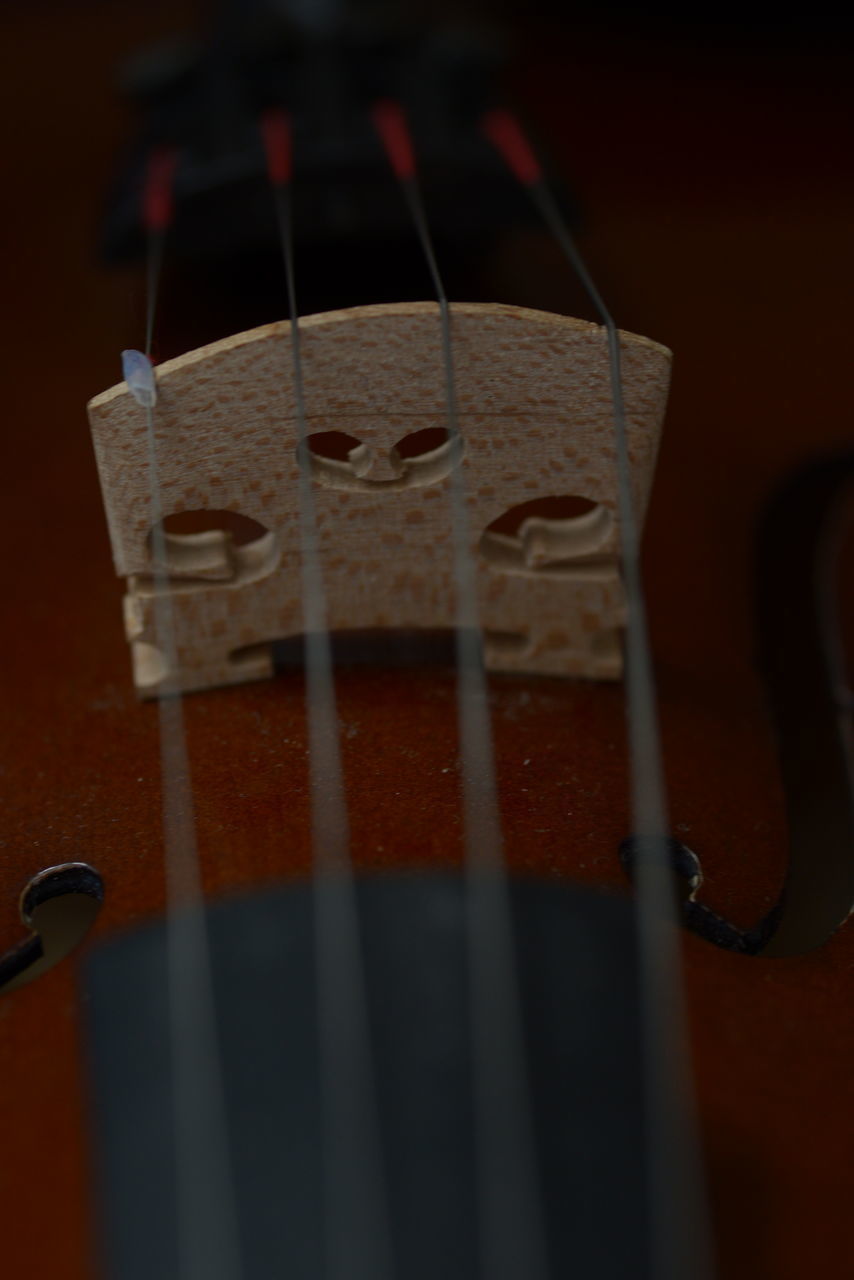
(157, 211)
(680, 1239)
(511, 1226)
(206, 1207)
(357, 1233)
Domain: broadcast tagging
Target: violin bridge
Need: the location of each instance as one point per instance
(538, 457)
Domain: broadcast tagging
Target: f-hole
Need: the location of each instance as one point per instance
(806, 545)
(58, 906)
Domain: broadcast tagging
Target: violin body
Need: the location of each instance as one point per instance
(719, 225)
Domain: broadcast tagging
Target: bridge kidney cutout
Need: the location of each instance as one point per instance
(562, 536)
(342, 461)
(216, 546)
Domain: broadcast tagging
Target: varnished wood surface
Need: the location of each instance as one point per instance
(719, 224)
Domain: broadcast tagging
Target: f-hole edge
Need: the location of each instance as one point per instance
(812, 725)
(58, 905)
(797, 618)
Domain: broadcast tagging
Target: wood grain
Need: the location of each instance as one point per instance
(536, 420)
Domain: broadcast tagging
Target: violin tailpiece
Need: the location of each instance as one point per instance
(536, 421)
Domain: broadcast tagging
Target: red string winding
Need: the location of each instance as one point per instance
(158, 191)
(505, 133)
(278, 145)
(390, 122)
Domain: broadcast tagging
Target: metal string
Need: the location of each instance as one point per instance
(207, 1222)
(511, 1231)
(680, 1239)
(357, 1234)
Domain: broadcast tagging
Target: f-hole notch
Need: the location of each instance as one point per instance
(59, 906)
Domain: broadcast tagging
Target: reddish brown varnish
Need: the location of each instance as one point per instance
(719, 225)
